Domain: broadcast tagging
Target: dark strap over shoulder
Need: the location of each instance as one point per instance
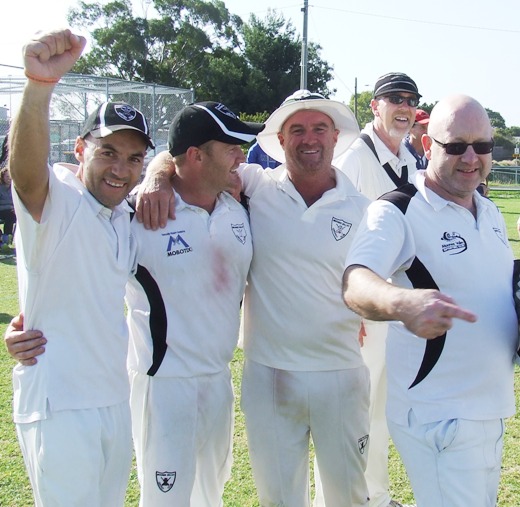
(132, 202)
(398, 181)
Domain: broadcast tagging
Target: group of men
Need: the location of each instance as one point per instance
(309, 227)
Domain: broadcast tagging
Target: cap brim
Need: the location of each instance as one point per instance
(393, 90)
(105, 131)
(343, 118)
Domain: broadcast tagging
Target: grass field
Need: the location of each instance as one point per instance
(240, 492)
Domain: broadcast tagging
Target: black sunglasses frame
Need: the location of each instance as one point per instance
(399, 99)
(480, 147)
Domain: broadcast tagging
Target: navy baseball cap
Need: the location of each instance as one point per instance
(110, 117)
(201, 122)
(395, 82)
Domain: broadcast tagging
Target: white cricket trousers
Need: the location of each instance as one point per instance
(376, 473)
(79, 458)
(283, 410)
(183, 437)
(453, 463)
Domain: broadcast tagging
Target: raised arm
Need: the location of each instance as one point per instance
(155, 198)
(425, 312)
(46, 59)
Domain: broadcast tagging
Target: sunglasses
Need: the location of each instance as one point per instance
(398, 99)
(480, 147)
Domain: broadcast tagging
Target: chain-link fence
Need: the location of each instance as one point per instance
(77, 95)
(505, 176)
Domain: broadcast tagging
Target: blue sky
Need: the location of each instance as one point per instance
(446, 46)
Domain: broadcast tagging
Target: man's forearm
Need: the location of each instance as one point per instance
(155, 199)
(30, 140)
(369, 295)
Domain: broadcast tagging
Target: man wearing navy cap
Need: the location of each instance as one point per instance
(74, 257)
(303, 376)
(184, 314)
(378, 162)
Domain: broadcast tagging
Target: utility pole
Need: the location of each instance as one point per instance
(355, 97)
(303, 76)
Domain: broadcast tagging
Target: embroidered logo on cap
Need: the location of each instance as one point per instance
(128, 113)
(225, 110)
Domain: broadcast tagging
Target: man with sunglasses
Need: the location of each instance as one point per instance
(378, 162)
(448, 394)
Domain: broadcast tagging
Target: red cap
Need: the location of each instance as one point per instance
(422, 117)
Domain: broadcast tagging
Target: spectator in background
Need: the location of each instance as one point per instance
(5, 152)
(413, 140)
(256, 155)
(378, 162)
(7, 214)
(483, 188)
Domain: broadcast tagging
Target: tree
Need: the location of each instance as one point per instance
(273, 52)
(496, 119)
(169, 49)
(199, 45)
(427, 107)
(364, 111)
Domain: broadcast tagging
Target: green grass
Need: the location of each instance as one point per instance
(240, 491)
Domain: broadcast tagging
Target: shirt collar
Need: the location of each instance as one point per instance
(384, 154)
(67, 172)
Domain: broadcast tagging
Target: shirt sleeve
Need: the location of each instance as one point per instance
(384, 242)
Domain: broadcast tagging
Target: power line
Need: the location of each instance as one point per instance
(425, 22)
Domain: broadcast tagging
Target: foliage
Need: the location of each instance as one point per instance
(513, 131)
(256, 117)
(362, 109)
(273, 52)
(425, 106)
(199, 45)
(502, 138)
(505, 163)
(496, 119)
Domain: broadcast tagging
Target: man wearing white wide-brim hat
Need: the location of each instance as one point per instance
(303, 375)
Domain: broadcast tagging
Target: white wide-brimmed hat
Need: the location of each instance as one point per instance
(343, 118)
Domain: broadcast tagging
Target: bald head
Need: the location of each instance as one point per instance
(459, 149)
(455, 110)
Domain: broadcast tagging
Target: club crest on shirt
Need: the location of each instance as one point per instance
(340, 228)
(362, 444)
(177, 245)
(453, 243)
(165, 480)
(239, 230)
